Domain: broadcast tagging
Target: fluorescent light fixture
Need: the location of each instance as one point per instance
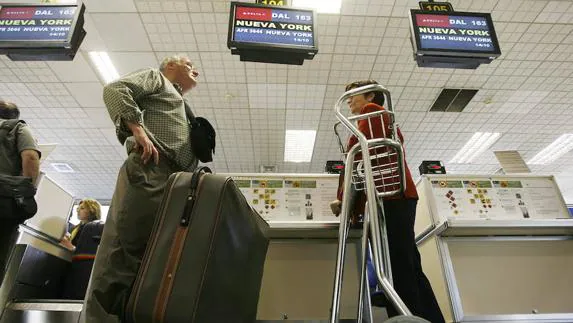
(556, 149)
(104, 66)
(478, 143)
(321, 6)
(299, 145)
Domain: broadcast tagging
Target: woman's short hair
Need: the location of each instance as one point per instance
(93, 207)
(378, 96)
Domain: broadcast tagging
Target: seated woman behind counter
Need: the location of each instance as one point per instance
(88, 210)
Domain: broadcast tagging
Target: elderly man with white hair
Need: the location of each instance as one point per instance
(148, 110)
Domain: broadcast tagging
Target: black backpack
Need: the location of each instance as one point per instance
(17, 200)
(202, 136)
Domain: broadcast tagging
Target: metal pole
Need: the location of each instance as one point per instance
(363, 277)
(342, 232)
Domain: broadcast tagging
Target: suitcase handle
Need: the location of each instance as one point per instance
(185, 219)
(196, 175)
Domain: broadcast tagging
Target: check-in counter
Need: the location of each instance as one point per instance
(501, 248)
(47, 227)
(299, 270)
(38, 250)
(54, 207)
(33, 273)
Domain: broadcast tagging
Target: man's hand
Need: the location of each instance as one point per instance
(335, 206)
(143, 142)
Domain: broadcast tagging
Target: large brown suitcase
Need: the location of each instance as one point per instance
(204, 261)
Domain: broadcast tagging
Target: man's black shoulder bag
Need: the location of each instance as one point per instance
(16, 192)
(202, 136)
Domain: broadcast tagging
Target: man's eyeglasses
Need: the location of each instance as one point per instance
(189, 67)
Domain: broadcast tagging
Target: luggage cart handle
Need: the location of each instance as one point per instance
(362, 90)
(336, 125)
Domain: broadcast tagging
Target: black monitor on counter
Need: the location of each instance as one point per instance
(453, 39)
(37, 32)
(334, 166)
(269, 34)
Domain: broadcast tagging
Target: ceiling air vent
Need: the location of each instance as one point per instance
(268, 168)
(62, 167)
(453, 100)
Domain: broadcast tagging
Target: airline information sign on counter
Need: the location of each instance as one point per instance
(498, 198)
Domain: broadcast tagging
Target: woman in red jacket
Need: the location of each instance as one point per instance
(400, 213)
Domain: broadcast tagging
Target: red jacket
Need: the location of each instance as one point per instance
(364, 127)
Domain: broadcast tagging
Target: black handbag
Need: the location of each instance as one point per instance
(17, 198)
(202, 136)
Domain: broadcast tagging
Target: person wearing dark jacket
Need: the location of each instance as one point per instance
(88, 210)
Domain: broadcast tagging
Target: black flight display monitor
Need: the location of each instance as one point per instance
(453, 39)
(270, 34)
(35, 32)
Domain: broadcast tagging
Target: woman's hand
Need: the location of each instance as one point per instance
(65, 242)
(335, 206)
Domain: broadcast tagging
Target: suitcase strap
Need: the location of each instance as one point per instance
(185, 219)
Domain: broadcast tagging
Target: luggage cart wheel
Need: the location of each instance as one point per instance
(406, 319)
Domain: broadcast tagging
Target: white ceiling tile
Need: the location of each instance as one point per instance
(161, 6)
(220, 67)
(170, 31)
(307, 96)
(88, 95)
(98, 117)
(121, 31)
(109, 6)
(314, 71)
(349, 68)
(267, 96)
(302, 119)
(210, 31)
(78, 70)
(28, 72)
(266, 73)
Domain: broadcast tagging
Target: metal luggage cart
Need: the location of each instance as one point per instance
(375, 166)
